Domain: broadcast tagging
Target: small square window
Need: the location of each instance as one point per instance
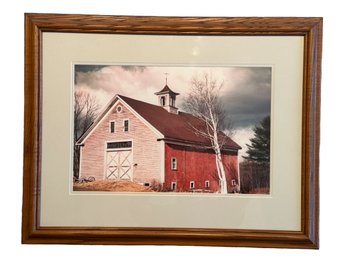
(192, 185)
(173, 186)
(173, 163)
(163, 100)
(112, 126)
(147, 184)
(126, 125)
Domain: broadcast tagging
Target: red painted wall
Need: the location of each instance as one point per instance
(198, 166)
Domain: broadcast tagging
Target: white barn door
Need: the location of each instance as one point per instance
(119, 164)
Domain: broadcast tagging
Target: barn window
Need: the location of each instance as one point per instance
(207, 184)
(163, 100)
(173, 186)
(173, 163)
(233, 182)
(146, 184)
(112, 126)
(192, 185)
(119, 108)
(172, 101)
(126, 125)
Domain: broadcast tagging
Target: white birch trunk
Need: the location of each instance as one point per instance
(219, 161)
(222, 176)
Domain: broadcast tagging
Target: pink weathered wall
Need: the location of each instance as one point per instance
(197, 166)
(146, 149)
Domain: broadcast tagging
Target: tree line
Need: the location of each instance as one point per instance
(255, 170)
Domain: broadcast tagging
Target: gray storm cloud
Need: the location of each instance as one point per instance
(88, 68)
(133, 68)
(246, 93)
(250, 99)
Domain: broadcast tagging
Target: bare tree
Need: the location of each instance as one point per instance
(85, 111)
(204, 102)
(255, 177)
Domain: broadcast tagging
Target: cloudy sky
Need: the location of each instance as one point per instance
(246, 91)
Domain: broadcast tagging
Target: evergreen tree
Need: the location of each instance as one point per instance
(259, 148)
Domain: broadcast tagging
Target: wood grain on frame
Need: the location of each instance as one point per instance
(309, 28)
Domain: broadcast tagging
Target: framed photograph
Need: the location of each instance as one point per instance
(172, 130)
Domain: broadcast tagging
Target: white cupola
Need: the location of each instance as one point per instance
(166, 98)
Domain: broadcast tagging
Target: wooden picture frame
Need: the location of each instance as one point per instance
(308, 28)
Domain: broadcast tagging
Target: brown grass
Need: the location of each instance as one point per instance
(260, 190)
(111, 186)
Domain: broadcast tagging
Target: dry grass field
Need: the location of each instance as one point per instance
(111, 186)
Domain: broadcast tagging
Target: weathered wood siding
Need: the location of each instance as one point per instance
(198, 166)
(146, 149)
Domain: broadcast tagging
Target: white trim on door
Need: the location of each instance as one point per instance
(106, 150)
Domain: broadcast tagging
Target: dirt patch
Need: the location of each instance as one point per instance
(111, 186)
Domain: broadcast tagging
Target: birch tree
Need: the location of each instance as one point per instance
(204, 102)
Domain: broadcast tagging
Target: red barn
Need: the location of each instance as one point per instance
(154, 144)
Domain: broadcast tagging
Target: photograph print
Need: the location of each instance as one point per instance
(176, 129)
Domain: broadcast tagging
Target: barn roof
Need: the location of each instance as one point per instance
(174, 127)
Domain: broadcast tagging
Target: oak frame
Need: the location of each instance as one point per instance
(309, 28)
